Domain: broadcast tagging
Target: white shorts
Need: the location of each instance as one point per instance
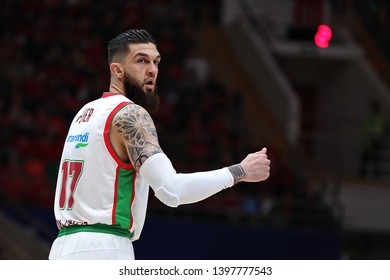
(91, 246)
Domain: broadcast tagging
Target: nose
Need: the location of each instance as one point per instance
(153, 70)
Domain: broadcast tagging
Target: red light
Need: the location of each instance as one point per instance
(323, 36)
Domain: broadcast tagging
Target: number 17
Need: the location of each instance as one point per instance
(71, 173)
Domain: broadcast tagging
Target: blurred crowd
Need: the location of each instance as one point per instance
(54, 60)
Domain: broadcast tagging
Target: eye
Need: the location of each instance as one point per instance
(141, 60)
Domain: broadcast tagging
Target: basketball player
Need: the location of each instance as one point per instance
(112, 155)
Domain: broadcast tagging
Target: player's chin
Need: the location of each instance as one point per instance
(150, 92)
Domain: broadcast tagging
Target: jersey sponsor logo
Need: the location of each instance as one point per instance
(81, 139)
(81, 145)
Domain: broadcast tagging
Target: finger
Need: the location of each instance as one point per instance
(262, 151)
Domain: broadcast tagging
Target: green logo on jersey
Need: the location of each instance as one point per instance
(81, 145)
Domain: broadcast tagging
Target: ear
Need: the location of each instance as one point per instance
(117, 70)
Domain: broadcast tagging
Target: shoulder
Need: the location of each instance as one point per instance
(132, 110)
(132, 115)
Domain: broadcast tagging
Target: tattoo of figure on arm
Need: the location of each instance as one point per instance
(237, 172)
(137, 128)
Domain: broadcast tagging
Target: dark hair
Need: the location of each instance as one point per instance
(120, 44)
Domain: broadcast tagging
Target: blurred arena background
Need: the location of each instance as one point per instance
(236, 75)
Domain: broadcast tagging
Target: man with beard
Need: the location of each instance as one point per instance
(112, 155)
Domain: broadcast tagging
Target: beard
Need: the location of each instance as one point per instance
(134, 91)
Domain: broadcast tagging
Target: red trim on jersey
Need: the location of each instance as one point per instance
(106, 137)
(108, 94)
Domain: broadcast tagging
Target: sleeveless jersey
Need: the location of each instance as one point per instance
(95, 190)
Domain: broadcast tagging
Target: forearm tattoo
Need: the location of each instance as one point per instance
(137, 128)
(237, 172)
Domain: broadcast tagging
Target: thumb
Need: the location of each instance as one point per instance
(264, 150)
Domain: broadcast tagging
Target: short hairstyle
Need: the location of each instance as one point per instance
(120, 44)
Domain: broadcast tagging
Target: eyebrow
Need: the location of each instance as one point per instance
(142, 54)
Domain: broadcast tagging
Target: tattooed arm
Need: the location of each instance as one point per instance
(136, 129)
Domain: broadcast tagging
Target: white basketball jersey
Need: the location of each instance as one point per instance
(94, 186)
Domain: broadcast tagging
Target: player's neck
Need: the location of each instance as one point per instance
(116, 89)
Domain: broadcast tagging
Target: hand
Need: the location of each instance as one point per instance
(256, 166)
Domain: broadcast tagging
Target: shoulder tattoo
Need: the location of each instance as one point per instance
(137, 129)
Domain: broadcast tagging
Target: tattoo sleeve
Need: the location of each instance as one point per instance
(237, 172)
(136, 127)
